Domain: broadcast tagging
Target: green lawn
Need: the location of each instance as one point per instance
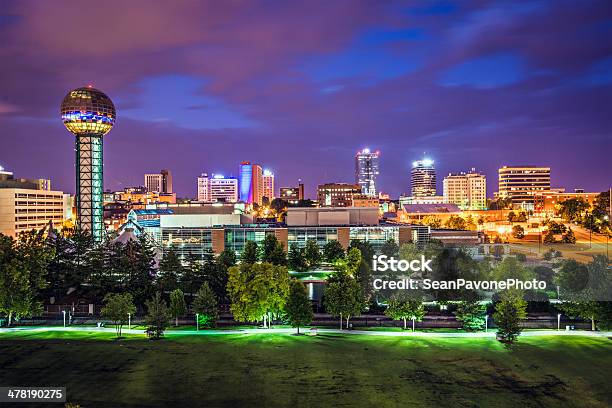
(326, 370)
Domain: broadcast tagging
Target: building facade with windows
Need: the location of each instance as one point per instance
(217, 188)
(159, 182)
(337, 194)
(522, 183)
(251, 183)
(367, 171)
(467, 190)
(268, 185)
(423, 178)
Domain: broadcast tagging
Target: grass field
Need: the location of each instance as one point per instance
(326, 370)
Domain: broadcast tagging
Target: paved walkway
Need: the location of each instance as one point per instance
(170, 332)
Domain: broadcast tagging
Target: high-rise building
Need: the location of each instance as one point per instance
(159, 182)
(268, 184)
(251, 183)
(423, 178)
(467, 190)
(89, 114)
(522, 183)
(217, 188)
(367, 171)
(337, 194)
(204, 188)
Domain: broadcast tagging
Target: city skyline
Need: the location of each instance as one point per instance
(472, 85)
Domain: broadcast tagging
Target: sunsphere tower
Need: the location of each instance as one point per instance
(89, 114)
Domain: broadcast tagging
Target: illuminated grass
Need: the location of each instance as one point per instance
(326, 370)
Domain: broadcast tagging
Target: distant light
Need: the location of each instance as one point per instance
(366, 150)
(427, 162)
(90, 86)
(415, 163)
(218, 176)
(267, 172)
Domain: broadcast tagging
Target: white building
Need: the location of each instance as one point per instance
(268, 184)
(217, 188)
(204, 188)
(467, 190)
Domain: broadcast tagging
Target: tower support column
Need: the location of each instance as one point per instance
(90, 184)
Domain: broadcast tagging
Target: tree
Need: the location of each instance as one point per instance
(549, 238)
(227, 258)
(364, 247)
(298, 308)
(117, 307)
(23, 273)
(455, 222)
(157, 317)
(509, 312)
(178, 307)
(569, 237)
(278, 256)
(403, 307)
(170, 269)
(139, 280)
(312, 254)
(279, 205)
(390, 248)
(571, 209)
(583, 289)
(249, 253)
(343, 297)
(267, 249)
(257, 292)
(544, 273)
(471, 314)
(205, 305)
(192, 277)
(432, 221)
(511, 268)
(295, 259)
(518, 232)
(332, 251)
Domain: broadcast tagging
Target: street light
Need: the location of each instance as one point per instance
(607, 236)
(64, 313)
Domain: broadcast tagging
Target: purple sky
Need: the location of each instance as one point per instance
(300, 86)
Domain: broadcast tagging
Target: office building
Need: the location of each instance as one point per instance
(522, 183)
(251, 183)
(204, 188)
(337, 194)
(159, 182)
(423, 178)
(30, 204)
(217, 188)
(223, 189)
(367, 171)
(467, 190)
(292, 195)
(268, 184)
(89, 115)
